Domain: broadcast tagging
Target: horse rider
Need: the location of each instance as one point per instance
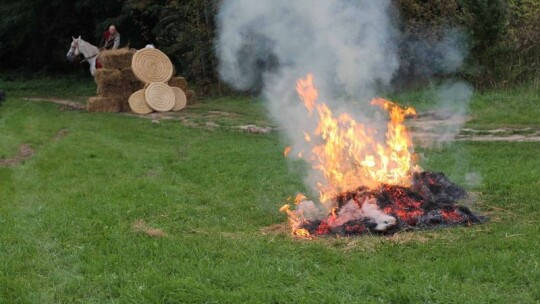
(110, 39)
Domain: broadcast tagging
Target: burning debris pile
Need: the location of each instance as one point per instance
(430, 202)
(369, 186)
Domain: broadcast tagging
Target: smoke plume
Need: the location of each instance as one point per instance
(350, 46)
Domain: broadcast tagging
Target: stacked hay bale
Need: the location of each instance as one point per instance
(162, 92)
(180, 82)
(117, 83)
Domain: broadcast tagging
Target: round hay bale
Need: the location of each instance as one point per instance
(191, 97)
(180, 99)
(159, 96)
(104, 104)
(116, 59)
(137, 103)
(152, 65)
(179, 82)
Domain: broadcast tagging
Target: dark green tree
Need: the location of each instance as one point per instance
(36, 34)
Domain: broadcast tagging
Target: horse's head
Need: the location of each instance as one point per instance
(74, 49)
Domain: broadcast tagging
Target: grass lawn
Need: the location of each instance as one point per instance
(75, 217)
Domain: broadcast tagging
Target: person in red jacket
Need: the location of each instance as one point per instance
(110, 39)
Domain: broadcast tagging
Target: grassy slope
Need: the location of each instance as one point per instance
(66, 216)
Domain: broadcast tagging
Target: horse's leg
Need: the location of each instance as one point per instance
(92, 66)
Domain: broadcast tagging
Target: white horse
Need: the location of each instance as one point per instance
(90, 52)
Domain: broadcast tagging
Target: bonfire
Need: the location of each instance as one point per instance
(369, 185)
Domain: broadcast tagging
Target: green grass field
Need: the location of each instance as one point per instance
(67, 213)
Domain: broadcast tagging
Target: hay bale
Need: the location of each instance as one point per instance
(108, 77)
(191, 97)
(137, 103)
(179, 82)
(124, 104)
(127, 74)
(104, 104)
(152, 65)
(180, 99)
(119, 91)
(117, 58)
(159, 96)
(138, 85)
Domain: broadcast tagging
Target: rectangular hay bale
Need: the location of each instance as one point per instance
(104, 104)
(127, 74)
(119, 91)
(179, 82)
(123, 105)
(108, 77)
(116, 59)
(135, 86)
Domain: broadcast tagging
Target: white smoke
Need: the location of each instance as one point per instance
(308, 211)
(426, 57)
(350, 46)
(453, 99)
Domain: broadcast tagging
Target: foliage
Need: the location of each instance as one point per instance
(183, 29)
(424, 26)
(485, 21)
(520, 43)
(502, 36)
(36, 33)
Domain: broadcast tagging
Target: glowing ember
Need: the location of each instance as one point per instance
(369, 185)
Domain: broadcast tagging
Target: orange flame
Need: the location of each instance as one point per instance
(287, 151)
(305, 88)
(348, 154)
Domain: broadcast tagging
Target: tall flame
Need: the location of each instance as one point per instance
(347, 153)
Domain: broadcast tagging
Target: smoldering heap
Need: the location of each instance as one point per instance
(431, 202)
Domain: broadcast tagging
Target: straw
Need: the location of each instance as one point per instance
(179, 82)
(159, 96)
(137, 103)
(180, 99)
(152, 65)
(103, 104)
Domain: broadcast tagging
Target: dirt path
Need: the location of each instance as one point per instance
(439, 127)
(26, 151)
(65, 102)
(428, 128)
